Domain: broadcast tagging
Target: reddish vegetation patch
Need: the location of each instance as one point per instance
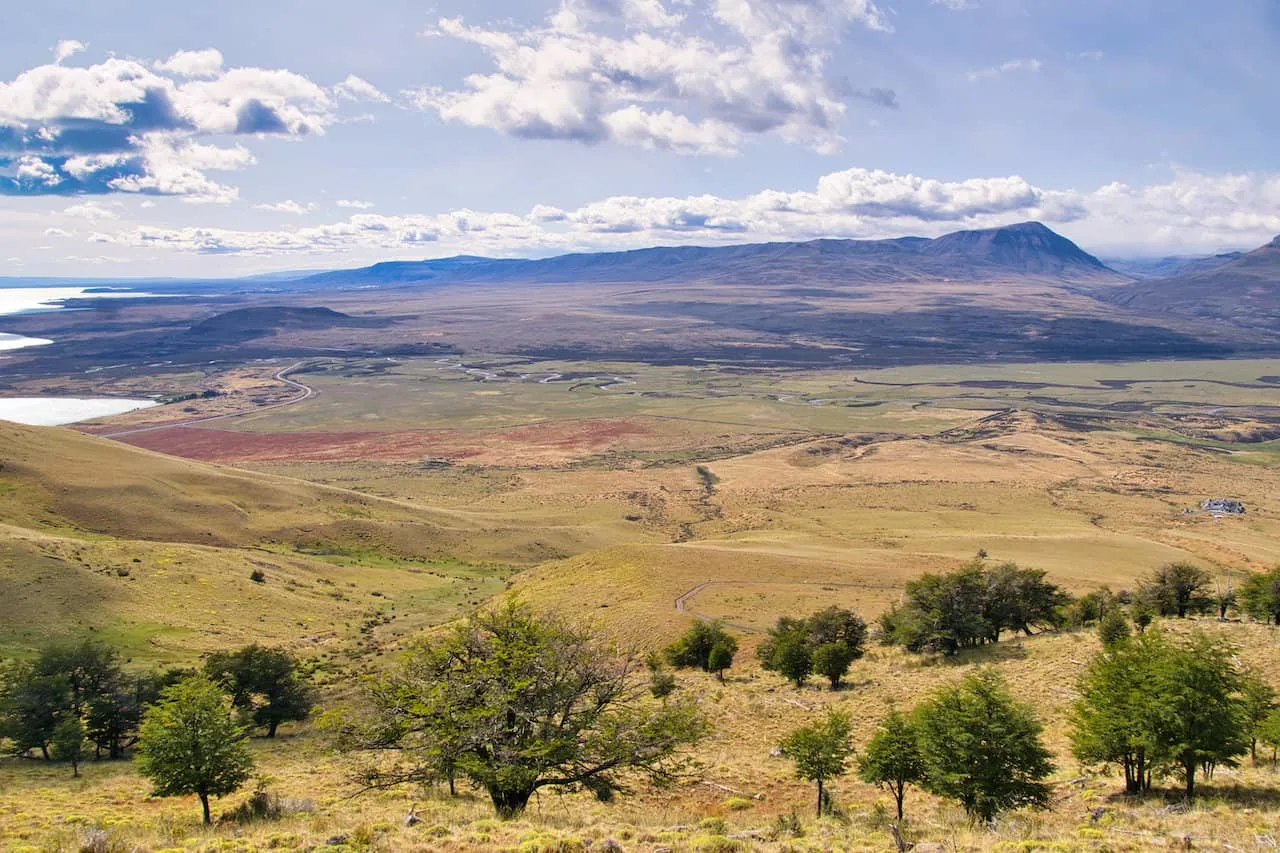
(521, 445)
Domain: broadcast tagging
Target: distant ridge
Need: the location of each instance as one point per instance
(1244, 290)
(1028, 249)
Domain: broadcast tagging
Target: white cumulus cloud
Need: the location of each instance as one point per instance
(695, 77)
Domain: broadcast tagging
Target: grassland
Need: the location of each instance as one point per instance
(633, 497)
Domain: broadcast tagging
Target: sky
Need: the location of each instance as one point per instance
(146, 138)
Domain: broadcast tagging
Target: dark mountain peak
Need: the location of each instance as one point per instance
(1029, 247)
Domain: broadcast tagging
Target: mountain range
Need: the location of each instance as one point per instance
(1025, 250)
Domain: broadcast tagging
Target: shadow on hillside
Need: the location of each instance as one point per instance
(1008, 650)
(1208, 794)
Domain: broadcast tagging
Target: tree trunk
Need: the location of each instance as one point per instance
(900, 794)
(44, 750)
(75, 768)
(204, 804)
(1190, 768)
(509, 803)
(271, 727)
(819, 798)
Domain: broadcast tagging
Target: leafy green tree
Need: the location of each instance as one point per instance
(1260, 596)
(264, 684)
(1089, 608)
(31, 704)
(832, 660)
(1154, 705)
(821, 752)
(190, 743)
(892, 758)
(1176, 589)
(982, 748)
(721, 658)
(1258, 700)
(1113, 628)
(792, 659)
(838, 625)
(1111, 722)
(1199, 720)
(68, 742)
(517, 701)
(1269, 733)
(693, 649)
(1019, 599)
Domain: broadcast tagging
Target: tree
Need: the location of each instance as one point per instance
(892, 757)
(982, 748)
(720, 659)
(1111, 720)
(264, 685)
(68, 742)
(832, 660)
(1260, 596)
(517, 701)
(694, 648)
(1154, 706)
(1113, 628)
(792, 646)
(1198, 719)
(820, 751)
(1176, 589)
(1269, 733)
(791, 659)
(189, 743)
(31, 704)
(1258, 700)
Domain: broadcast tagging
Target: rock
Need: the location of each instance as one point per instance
(1226, 505)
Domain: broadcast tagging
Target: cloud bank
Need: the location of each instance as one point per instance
(125, 126)
(689, 76)
(1191, 212)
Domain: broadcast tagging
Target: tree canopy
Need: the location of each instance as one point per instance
(892, 758)
(694, 648)
(189, 743)
(1176, 589)
(1259, 596)
(264, 684)
(820, 751)
(827, 642)
(1155, 706)
(982, 748)
(516, 701)
(972, 606)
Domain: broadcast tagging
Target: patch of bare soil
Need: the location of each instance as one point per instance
(538, 444)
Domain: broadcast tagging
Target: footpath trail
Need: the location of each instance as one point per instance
(282, 375)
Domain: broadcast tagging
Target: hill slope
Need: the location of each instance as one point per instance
(1244, 291)
(1025, 250)
(155, 554)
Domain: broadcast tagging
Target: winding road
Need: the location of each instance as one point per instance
(282, 375)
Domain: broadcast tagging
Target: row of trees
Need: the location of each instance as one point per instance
(70, 697)
(971, 742)
(1156, 706)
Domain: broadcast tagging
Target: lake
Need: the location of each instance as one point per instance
(55, 411)
(17, 300)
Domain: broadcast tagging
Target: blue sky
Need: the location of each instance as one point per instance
(155, 138)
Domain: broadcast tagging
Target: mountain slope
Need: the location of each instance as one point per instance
(1018, 251)
(1144, 268)
(1244, 291)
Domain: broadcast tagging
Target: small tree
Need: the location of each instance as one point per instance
(518, 701)
(832, 660)
(1113, 627)
(721, 658)
(69, 742)
(892, 758)
(189, 743)
(1269, 734)
(1258, 700)
(1260, 596)
(821, 752)
(982, 748)
(264, 684)
(1176, 589)
(693, 649)
(792, 659)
